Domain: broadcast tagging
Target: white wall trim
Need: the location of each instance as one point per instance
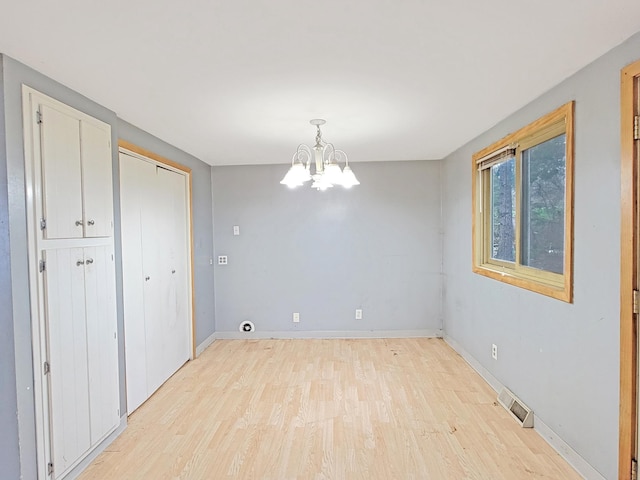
(320, 334)
(552, 438)
(204, 345)
(86, 461)
(565, 451)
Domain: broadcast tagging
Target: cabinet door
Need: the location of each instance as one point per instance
(97, 191)
(67, 353)
(61, 174)
(102, 343)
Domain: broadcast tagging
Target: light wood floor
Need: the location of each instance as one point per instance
(327, 409)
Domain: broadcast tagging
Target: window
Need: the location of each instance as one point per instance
(523, 206)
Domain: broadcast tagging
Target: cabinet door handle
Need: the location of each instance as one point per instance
(80, 262)
(91, 222)
(173, 271)
(79, 223)
(146, 279)
(89, 261)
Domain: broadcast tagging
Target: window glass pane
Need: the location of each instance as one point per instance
(543, 205)
(503, 213)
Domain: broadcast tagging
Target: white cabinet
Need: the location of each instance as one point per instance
(155, 258)
(68, 171)
(76, 174)
(83, 350)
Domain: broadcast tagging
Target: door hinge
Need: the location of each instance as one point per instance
(38, 117)
(636, 127)
(634, 469)
(43, 266)
(47, 368)
(635, 301)
(43, 224)
(50, 468)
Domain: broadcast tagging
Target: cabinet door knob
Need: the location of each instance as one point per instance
(173, 271)
(146, 279)
(91, 222)
(78, 223)
(89, 261)
(80, 262)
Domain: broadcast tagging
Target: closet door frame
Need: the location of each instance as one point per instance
(147, 155)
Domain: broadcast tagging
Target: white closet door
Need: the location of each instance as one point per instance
(102, 340)
(158, 308)
(172, 326)
(67, 336)
(155, 235)
(96, 180)
(136, 183)
(61, 174)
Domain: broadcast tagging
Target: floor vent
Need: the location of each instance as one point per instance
(516, 408)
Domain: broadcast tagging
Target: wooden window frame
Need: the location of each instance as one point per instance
(559, 286)
(629, 179)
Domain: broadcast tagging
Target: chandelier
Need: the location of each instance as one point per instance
(326, 161)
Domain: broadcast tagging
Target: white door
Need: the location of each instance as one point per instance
(135, 185)
(61, 173)
(102, 341)
(68, 358)
(155, 236)
(166, 293)
(97, 190)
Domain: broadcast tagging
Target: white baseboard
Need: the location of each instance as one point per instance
(86, 461)
(320, 334)
(565, 451)
(204, 345)
(569, 454)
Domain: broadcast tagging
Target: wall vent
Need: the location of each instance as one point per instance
(516, 408)
(247, 326)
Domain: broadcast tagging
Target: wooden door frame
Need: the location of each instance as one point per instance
(123, 144)
(628, 272)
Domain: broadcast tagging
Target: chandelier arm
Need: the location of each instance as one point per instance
(331, 155)
(342, 155)
(302, 151)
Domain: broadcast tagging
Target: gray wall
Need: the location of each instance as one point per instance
(9, 450)
(324, 254)
(561, 359)
(202, 222)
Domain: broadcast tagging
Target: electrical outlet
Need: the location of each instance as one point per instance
(296, 317)
(358, 314)
(494, 351)
(236, 229)
(223, 260)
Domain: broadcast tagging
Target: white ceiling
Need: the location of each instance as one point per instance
(236, 81)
